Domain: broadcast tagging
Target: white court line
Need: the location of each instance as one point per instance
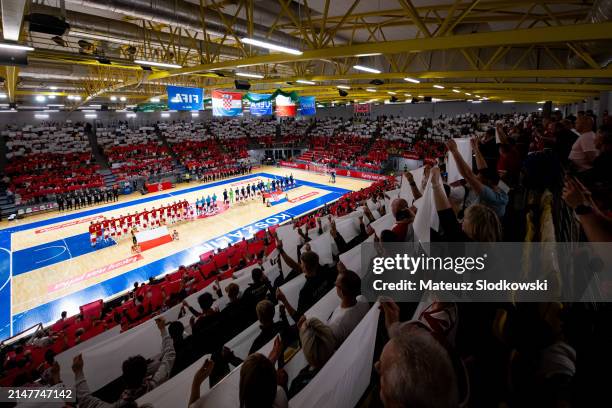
(10, 267)
(54, 256)
(69, 254)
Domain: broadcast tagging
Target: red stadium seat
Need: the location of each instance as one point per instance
(92, 310)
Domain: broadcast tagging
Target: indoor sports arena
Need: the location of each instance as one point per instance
(305, 203)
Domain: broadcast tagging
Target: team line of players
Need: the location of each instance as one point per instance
(117, 227)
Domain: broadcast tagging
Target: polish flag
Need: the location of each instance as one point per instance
(152, 238)
(285, 106)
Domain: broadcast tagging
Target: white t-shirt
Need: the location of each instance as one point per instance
(585, 143)
(343, 320)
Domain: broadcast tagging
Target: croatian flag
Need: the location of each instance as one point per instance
(285, 106)
(226, 103)
(153, 238)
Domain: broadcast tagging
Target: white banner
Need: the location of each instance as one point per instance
(344, 378)
(465, 150)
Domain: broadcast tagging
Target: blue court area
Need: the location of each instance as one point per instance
(79, 245)
(50, 253)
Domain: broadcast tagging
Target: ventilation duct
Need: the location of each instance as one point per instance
(121, 30)
(183, 14)
(601, 51)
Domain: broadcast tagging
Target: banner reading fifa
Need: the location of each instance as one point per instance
(259, 107)
(285, 107)
(226, 103)
(307, 105)
(185, 99)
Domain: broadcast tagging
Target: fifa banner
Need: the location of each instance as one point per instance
(260, 108)
(185, 99)
(307, 105)
(226, 103)
(285, 107)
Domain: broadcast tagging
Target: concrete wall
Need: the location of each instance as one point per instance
(597, 104)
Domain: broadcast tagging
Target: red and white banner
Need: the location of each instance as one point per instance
(152, 188)
(340, 172)
(285, 106)
(301, 166)
(361, 174)
(153, 238)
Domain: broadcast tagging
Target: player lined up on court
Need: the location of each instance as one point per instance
(119, 227)
(208, 205)
(252, 190)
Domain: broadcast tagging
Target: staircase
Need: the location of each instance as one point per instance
(164, 140)
(178, 166)
(368, 145)
(2, 153)
(279, 134)
(6, 208)
(306, 133)
(96, 150)
(109, 178)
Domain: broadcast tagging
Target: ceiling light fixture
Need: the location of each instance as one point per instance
(249, 75)
(414, 81)
(157, 64)
(303, 81)
(438, 86)
(270, 46)
(19, 47)
(343, 87)
(366, 69)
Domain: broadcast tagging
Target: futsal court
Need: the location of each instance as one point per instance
(53, 266)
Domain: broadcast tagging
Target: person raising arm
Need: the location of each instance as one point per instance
(485, 184)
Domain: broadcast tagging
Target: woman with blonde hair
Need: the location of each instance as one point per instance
(480, 222)
(318, 345)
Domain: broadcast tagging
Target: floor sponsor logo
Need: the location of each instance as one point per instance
(92, 274)
(248, 181)
(303, 197)
(245, 232)
(69, 224)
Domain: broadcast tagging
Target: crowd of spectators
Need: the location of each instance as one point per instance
(447, 355)
(46, 160)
